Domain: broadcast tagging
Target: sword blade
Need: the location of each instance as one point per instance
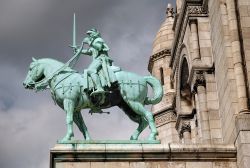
(74, 31)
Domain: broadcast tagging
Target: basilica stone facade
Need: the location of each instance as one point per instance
(201, 54)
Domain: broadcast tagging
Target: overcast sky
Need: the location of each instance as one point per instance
(30, 123)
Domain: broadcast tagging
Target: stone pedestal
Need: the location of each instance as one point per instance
(142, 156)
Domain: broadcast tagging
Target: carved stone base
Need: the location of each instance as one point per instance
(142, 156)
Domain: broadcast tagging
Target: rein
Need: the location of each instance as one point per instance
(41, 85)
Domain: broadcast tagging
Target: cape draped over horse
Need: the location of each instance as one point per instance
(67, 91)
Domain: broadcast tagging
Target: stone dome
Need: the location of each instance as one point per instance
(165, 35)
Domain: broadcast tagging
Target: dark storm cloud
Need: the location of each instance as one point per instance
(30, 123)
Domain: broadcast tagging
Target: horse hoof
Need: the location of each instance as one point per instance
(88, 139)
(63, 140)
(152, 136)
(66, 138)
(133, 138)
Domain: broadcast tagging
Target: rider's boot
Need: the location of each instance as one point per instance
(97, 83)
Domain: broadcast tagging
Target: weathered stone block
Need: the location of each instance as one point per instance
(244, 162)
(199, 164)
(244, 2)
(243, 122)
(224, 165)
(215, 124)
(204, 35)
(243, 11)
(244, 137)
(73, 165)
(216, 133)
(245, 21)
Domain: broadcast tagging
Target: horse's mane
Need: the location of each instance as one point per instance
(53, 62)
(50, 60)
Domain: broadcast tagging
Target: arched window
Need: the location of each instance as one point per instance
(184, 75)
(185, 90)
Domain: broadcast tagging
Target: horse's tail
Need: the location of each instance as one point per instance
(157, 88)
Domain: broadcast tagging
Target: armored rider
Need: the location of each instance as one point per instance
(98, 50)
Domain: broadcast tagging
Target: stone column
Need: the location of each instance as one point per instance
(185, 131)
(242, 120)
(179, 5)
(165, 123)
(195, 40)
(237, 60)
(187, 134)
(198, 116)
(203, 110)
(194, 137)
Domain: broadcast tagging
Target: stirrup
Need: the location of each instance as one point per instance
(96, 92)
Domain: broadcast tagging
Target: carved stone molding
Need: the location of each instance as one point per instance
(164, 118)
(170, 98)
(190, 9)
(159, 55)
(183, 122)
(199, 81)
(197, 11)
(170, 11)
(185, 127)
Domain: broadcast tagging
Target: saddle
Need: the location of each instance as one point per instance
(108, 80)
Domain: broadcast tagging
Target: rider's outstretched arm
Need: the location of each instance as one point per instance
(86, 51)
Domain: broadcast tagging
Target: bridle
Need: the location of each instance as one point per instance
(33, 82)
(42, 85)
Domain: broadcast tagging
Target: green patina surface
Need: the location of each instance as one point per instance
(100, 86)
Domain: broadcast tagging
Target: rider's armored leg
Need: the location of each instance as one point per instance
(97, 83)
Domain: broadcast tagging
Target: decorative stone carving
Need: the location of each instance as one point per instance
(170, 11)
(183, 123)
(185, 126)
(170, 98)
(164, 118)
(159, 55)
(180, 27)
(199, 80)
(196, 10)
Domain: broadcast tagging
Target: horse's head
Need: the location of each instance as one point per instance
(35, 74)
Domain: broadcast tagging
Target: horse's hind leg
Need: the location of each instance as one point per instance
(134, 117)
(142, 125)
(139, 109)
(81, 125)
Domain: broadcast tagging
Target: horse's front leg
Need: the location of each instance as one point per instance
(81, 125)
(69, 107)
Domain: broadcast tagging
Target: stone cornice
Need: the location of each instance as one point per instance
(141, 152)
(190, 8)
(159, 55)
